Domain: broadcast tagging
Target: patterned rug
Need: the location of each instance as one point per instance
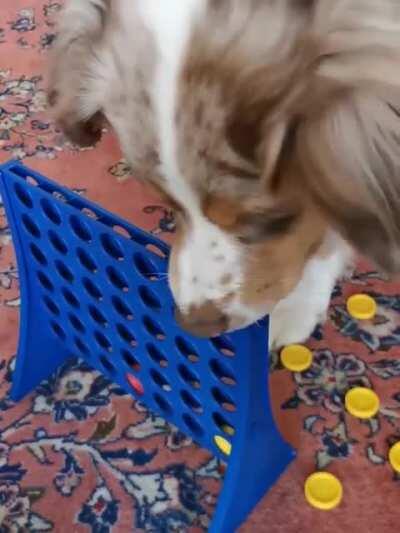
(78, 455)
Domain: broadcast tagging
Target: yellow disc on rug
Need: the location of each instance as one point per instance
(394, 457)
(296, 358)
(361, 307)
(323, 491)
(362, 402)
(224, 445)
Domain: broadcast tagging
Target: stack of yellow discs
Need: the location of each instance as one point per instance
(361, 307)
(296, 358)
(362, 402)
(323, 491)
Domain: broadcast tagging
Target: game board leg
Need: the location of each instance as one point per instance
(254, 468)
(39, 355)
(259, 453)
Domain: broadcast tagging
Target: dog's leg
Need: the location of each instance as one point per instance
(295, 317)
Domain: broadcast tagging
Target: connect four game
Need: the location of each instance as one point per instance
(92, 286)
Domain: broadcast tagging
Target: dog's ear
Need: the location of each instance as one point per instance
(349, 156)
(75, 111)
(348, 140)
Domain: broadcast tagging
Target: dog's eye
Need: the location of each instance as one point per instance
(258, 227)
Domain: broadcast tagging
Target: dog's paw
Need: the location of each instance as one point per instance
(293, 326)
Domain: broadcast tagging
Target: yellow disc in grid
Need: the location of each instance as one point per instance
(362, 402)
(361, 307)
(229, 430)
(296, 358)
(323, 491)
(394, 457)
(224, 445)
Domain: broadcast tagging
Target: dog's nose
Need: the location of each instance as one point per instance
(203, 321)
(82, 133)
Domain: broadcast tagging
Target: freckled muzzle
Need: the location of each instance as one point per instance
(203, 321)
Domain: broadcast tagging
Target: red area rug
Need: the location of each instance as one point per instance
(77, 455)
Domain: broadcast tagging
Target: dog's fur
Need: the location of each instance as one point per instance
(272, 125)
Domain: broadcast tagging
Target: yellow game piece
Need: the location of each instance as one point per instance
(229, 430)
(323, 491)
(224, 445)
(394, 457)
(362, 402)
(296, 358)
(361, 307)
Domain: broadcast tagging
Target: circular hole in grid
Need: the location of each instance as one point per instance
(51, 211)
(51, 306)
(76, 323)
(136, 384)
(224, 400)
(89, 213)
(122, 308)
(97, 316)
(57, 243)
(187, 350)
(111, 246)
(223, 425)
(38, 254)
(32, 181)
(126, 335)
(157, 356)
(153, 328)
(222, 373)
(106, 364)
(23, 196)
(92, 289)
(122, 231)
(192, 424)
(80, 228)
(45, 282)
(60, 197)
(224, 346)
(189, 377)
(58, 330)
(156, 250)
(162, 403)
(190, 401)
(86, 260)
(117, 279)
(160, 380)
(64, 271)
(149, 298)
(102, 341)
(145, 267)
(81, 346)
(70, 298)
(130, 360)
(30, 226)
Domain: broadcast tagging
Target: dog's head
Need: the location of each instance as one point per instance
(283, 132)
(280, 122)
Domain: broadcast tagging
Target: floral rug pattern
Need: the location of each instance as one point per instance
(79, 455)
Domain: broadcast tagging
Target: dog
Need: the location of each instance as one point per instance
(271, 126)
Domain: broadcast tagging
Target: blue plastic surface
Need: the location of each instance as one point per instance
(94, 286)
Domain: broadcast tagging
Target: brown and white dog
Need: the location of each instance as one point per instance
(272, 125)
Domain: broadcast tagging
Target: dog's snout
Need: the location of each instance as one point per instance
(82, 133)
(203, 321)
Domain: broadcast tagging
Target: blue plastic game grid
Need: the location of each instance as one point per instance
(93, 285)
